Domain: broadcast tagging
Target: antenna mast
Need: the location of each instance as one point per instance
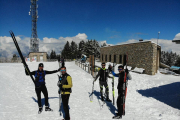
(34, 42)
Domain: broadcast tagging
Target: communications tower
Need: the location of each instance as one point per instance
(34, 42)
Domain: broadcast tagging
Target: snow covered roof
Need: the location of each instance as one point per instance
(134, 43)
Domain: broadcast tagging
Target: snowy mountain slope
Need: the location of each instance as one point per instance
(149, 97)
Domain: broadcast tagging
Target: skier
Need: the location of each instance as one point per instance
(103, 73)
(40, 85)
(121, 75)
(65, 85)
(62, 62)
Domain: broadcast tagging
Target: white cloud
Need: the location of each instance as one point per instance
(48, 44)
(104, 41)
(177, 37)
(7, 47)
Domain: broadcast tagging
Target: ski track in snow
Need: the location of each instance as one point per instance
(148, 97)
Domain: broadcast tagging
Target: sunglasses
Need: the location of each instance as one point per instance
(103, 65)
(63, 70)
(120, 69)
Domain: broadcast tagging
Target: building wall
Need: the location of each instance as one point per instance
(38, 54)
(141, 55)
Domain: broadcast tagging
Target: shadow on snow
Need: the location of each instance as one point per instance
(43, 100)
(168, 94)
(110, 105)
(43, 103)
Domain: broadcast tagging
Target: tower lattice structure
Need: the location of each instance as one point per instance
(34, 42)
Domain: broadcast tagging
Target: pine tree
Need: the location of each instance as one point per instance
(178, 62)
(47, 56)
(66, 52)
(52, 54)
(169, 58)
(74, 49)
(104, 44)
(14, 57)
(81, 49)
(96, 49)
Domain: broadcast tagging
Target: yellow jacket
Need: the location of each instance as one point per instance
(69, 80)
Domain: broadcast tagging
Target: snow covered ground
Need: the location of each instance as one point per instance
(148, 98)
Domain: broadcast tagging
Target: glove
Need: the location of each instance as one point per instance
(59, 91)
(59, 84)
(126, 70)
(110, 77)
(59, 69)
(110, 68)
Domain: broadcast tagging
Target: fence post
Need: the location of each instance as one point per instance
(85, 67)
(88, 68)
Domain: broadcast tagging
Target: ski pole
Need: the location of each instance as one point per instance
(113, 89)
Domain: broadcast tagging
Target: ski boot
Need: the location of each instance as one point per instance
(108, 100)
(117, 116)
(40, 110)
(48, 109)
(65, 119)
(102, 98)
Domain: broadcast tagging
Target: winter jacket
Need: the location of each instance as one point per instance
(102, 74)
(121, 78)
(40, 76)
(66, 82)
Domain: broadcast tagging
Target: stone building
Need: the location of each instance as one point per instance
(38, 56)
(145, 54)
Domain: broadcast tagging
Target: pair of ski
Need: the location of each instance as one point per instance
(124, 88)
(113, 93)
(23, 61)
(21, 56)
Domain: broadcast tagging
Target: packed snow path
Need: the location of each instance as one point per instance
(148, 98)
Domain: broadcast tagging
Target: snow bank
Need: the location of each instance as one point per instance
(138, 70)
(148, 97)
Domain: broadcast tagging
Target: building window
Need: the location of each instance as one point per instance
(114, 58)
(102, 57)
(106, 58)
(109, 58)
(120, 58)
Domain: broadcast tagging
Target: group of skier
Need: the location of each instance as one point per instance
(64, 84)
(103, 75)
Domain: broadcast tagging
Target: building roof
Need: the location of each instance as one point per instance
(176, 41)
(37, 52)
(133, 43)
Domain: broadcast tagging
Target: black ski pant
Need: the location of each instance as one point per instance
(120, 102)
(101, 84)
(42, 89)
(65, 101)
(62, 64)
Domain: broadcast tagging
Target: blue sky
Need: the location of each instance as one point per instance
(113, 21)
